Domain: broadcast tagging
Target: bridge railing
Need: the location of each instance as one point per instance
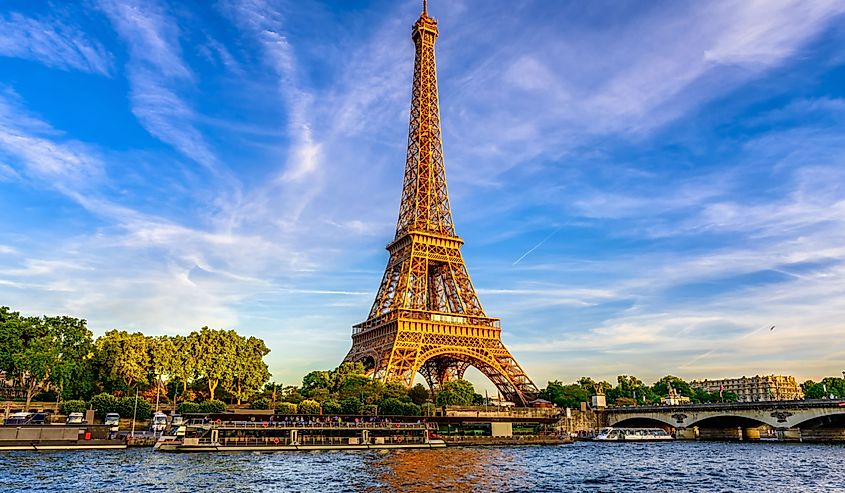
(794, 404)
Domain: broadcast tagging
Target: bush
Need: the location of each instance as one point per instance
(309, 407)
(391, 407)
(104, 403)
(286, 408)
(332, 407)
(188, 407)
(212, 406)
(411, 409)
(428, 409)
(125, 406)
(260, 403)
(395, 407)
(76, 406)
(350, 405)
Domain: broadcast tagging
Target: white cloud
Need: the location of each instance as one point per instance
(53, 43)
(157, 74)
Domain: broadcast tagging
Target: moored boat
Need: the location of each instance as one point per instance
(611, 434)
(58, 437)
(317, 434)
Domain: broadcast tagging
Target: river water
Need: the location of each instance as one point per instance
(583, 466)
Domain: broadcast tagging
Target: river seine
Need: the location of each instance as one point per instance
(584, 466)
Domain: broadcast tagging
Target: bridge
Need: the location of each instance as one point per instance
(804, 420)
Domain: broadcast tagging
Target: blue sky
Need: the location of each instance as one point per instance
(643, 187)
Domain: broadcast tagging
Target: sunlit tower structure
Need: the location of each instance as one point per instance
(426, 316)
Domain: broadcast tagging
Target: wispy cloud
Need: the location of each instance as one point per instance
(41, 152)
(53, 42)
(157, 75)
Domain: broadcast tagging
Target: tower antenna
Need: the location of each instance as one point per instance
(425, 7)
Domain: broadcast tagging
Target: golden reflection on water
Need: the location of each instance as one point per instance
(453, 469)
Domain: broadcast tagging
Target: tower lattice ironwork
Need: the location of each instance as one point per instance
(426, 316)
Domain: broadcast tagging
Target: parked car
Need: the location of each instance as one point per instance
(75, 419)
(113, 420)
(21, 418)
(39, 418)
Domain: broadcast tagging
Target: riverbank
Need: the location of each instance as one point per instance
(514, 441)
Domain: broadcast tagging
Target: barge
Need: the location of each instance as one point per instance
(58, 437)
(269, 436)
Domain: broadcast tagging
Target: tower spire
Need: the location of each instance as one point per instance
(425, 7)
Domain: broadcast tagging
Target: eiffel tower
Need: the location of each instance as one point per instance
(426, 317)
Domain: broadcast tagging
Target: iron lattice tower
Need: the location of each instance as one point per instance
(426, 317)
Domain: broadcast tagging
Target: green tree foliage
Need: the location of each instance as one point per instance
(215, 352)
(396, 390)
(419, 394)
(625, 401)
(331, 406)
(40, 352)
(824, 389)
(350, 405)
(428, 409)
(248, 371)
(565, 395)
(340, 374)
(188, 407)
(260, 403)
(316, 380)
(164, 360)
(124, 358)
(73, 406)
(661, 387)
(396, 407)
(286, 408)
(212, 406)
(455, 393)
(126, 407)
(309, 407)
(103, 404)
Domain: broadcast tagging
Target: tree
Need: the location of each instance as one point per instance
(216, 354)
(565, 395)
(339, 375)
(309, 407)
(331, 406)
(44, 351)
(316, 380)
(661, 387)
(455, 393)
(427, 409)
(184, 361)
(123, 358)
(286, 408)
(419, 394)
(248, 370)
(396, 390)
(272, 388)
(350, 405)
(163, 361)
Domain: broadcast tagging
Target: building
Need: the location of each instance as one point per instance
(755, 389)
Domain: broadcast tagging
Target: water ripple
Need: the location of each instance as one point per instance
(582, 467)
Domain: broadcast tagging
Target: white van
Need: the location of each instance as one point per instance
(113, 421)
(158, 422)
(75, 419)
